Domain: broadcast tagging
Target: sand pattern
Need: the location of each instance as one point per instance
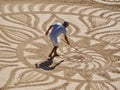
(94, 33)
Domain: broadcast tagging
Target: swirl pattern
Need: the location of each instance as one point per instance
(93, 63)
(109, 1)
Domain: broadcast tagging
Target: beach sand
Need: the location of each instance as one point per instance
(90, 62)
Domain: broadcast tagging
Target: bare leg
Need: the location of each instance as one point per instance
(55, 51)
(51, 52)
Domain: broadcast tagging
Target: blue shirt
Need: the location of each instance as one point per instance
(58, 29)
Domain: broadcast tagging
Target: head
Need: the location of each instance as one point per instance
(66, 24)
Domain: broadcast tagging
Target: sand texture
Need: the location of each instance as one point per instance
(92, 62)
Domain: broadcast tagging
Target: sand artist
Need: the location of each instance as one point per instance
(57, 29)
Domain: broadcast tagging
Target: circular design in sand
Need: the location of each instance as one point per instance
(91, 62)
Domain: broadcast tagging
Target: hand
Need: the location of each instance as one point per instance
(46, 33)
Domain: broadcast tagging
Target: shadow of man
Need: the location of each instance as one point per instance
(46, 64)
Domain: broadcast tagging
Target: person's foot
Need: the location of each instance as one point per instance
(36, 65)
(55, 55)
(50, 56)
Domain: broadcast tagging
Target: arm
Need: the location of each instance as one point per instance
(66, 38)
(48, 29)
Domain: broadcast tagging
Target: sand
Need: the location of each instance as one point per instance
(90, 62)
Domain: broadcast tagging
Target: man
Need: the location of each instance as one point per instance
(57, 29)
